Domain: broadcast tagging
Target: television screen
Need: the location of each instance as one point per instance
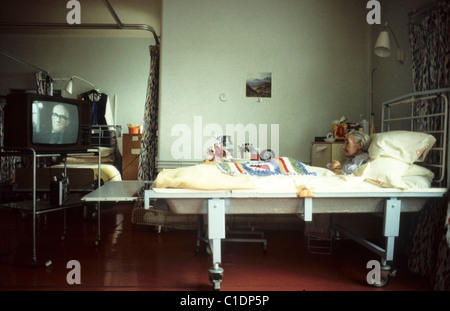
(54, 123)
(47, 123)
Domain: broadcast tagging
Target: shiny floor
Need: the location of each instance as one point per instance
(138, 258)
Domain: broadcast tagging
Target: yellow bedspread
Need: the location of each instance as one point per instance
(371, 177)
(210, 177)
(202, 176)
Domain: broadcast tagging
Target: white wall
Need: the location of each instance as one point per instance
(316, 51)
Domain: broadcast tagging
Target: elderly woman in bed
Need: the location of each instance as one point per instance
(355, 149)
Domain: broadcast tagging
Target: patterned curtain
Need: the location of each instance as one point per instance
(44, 85)
(430, 55)
(430, 52)
(6, 163)
(149, 142)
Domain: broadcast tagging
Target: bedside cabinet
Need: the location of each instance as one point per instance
(130, 158)
(323, 153)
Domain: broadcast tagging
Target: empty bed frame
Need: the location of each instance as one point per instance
(358, 196)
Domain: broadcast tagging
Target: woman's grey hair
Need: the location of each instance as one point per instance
(362, 138)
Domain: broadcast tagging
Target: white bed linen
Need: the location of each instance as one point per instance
(208, 177)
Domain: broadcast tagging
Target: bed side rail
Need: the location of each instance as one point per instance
(425, 112)
(105, 135)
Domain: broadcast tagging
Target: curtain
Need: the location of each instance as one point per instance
(429, 39)
(149, 142)
(6, 163)
(44, 86)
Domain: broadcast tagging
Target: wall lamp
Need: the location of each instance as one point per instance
(383, 46)
(69, 85)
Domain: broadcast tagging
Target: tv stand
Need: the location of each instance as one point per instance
(37, 207)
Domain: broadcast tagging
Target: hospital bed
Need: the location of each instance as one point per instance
(396, 180)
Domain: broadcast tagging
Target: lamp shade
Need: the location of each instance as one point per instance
(383, 46)
(68, 87)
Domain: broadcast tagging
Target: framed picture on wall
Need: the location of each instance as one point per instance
(259, 85)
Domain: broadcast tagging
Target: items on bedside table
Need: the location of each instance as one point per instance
(340, 128)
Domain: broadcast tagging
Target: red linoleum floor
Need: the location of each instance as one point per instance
(138, 258)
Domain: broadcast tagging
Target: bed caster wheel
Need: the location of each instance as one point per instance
(215, 277)
(385, 275)
(216, 285)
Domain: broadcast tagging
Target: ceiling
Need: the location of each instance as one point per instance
(15, 13)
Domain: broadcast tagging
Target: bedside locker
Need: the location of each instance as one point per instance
(130, 158)
(323, 153)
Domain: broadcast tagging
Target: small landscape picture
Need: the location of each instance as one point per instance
(259, 85)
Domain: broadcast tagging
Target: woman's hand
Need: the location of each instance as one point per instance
(336, 167)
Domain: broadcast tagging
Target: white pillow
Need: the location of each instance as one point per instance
(417, 170)
(406, 146)
(417, 182)
(385, 172)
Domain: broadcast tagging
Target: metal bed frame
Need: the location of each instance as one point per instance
(437, 115)
(216, 204)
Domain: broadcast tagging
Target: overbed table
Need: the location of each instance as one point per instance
(114, 191)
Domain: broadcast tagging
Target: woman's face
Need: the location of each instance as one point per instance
(351, 148)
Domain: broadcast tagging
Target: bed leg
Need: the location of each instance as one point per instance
(216, 232)
(391, 225)
(307, 215)
(390, 230)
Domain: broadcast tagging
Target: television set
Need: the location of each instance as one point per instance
(47, 124)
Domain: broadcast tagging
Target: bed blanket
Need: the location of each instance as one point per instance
(280, 166)
(287, 175)
(210, 176)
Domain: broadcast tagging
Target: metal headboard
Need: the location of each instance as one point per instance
(425, 112)
(105, 135)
